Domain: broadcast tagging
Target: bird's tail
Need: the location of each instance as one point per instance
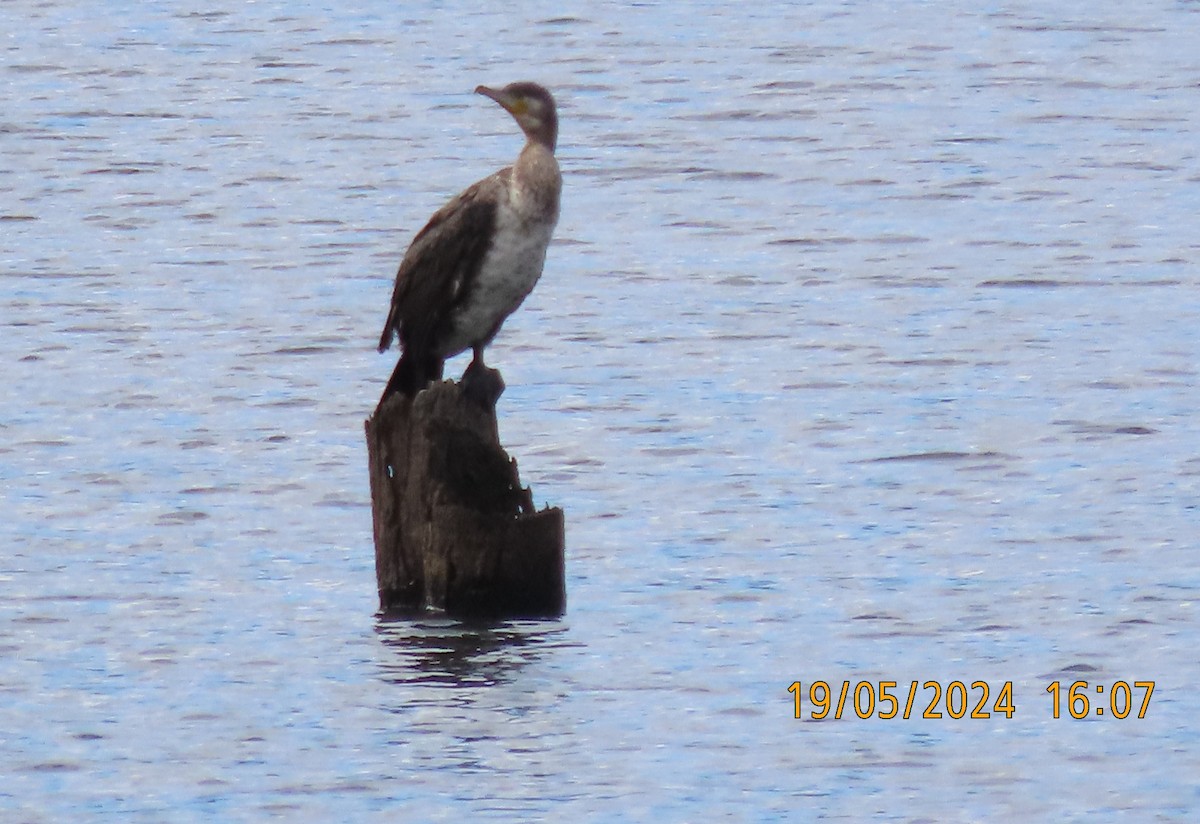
(412, 374)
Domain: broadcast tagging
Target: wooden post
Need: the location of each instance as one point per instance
(454, 529)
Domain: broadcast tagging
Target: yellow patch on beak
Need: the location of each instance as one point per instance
(516, 106)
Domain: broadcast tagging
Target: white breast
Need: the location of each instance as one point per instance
(510, 270)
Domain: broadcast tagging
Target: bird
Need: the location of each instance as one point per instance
(478, 257)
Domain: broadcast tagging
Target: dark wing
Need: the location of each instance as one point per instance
(443, 259)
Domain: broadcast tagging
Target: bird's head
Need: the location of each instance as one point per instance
(531, 106)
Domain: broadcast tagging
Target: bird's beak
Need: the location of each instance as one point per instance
(508, 102)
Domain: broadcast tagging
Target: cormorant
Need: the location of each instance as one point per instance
(478, 256)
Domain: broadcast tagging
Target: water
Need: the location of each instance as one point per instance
(866, 351)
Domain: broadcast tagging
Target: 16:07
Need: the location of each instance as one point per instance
(1080, 704)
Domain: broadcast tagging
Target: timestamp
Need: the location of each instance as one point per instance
(1082, 699)
(819, 700)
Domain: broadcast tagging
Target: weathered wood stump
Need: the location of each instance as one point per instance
(454, 529)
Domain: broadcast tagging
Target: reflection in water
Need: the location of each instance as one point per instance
(452, 653)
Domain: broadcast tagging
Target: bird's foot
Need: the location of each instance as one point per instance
(482, 384)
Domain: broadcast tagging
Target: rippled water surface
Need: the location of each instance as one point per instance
(866, 351)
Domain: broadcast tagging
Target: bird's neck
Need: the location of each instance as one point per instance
(536, 181)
